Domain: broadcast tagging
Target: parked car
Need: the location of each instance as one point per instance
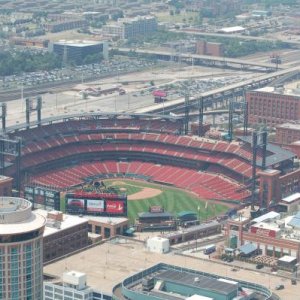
(259, 266)
(279, 287)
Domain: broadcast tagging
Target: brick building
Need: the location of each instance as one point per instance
(272, 235)
(207, 48)
(63, 234)
(287, 133)
(272, 106)
(107, 227)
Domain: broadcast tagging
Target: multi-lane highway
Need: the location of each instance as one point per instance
(213, 61)
(238, 36)
(260, 81)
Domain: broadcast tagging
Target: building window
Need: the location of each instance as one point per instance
(98, 229)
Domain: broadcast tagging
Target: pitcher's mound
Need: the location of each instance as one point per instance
(145, 193)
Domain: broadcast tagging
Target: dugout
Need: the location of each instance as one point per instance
(152, 221)
(187, 217)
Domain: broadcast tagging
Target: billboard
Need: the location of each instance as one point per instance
(95, 205)
(263, 232)
(101, 204)
(115, 207)
(75, 204)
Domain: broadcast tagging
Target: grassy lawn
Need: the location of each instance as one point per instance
(173, 200)
(166, 17)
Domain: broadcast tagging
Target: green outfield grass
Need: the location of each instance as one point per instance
(173, 200)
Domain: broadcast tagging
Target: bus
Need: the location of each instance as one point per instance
(209, 249)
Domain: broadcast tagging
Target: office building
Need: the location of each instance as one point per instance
(132, 28)
(273, 105)
(63, 234)
(287, 133)
(21, 250)
(272, 234)
(77, 50)
(107, 227)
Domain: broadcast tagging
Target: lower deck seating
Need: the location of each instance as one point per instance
(204, 185)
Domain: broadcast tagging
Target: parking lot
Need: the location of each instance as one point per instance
(114, 67)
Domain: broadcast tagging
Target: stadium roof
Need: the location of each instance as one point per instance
(278, 154)
(155, 215)
(91, 116)
(186, 213)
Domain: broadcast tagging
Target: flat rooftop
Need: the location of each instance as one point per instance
(279, 91)
(69, 221)
(110, 263)
(202, 282)
(294, 126)
(78, 43)
(106, 220)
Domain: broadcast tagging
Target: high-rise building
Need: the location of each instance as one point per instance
(21, 250)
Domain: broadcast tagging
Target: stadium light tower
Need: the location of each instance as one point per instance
(11, 148)
(31, 106)
(186, 113)
(3, 116)
(200, 116)
(259, 141)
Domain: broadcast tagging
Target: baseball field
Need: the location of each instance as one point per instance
(141, 195)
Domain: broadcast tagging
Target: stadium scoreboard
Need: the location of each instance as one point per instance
(42, 198)
(92, 203)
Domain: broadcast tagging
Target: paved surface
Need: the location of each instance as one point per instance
(110, 263)
(68, 102)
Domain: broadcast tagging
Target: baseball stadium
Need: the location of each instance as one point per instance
(144, 156)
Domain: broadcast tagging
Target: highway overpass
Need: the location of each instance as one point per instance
(293, 43)
(218, 97)
(212, 61)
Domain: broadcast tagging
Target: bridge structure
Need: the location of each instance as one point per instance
(193, 31)
(219, 98)
(206, 60)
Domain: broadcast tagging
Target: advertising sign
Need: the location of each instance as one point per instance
(95, 205)
(263, 232)
(115, 207)
(75, 204)
(156, 209)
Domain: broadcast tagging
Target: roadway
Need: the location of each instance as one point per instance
(222, 61)
(237, 36)
(247, 84)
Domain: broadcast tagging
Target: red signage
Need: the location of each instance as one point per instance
(263, 232)
(115, 207)
(156, 209)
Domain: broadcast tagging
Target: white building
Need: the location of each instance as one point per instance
(72, 287)
(128, 28)
(158, 244)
